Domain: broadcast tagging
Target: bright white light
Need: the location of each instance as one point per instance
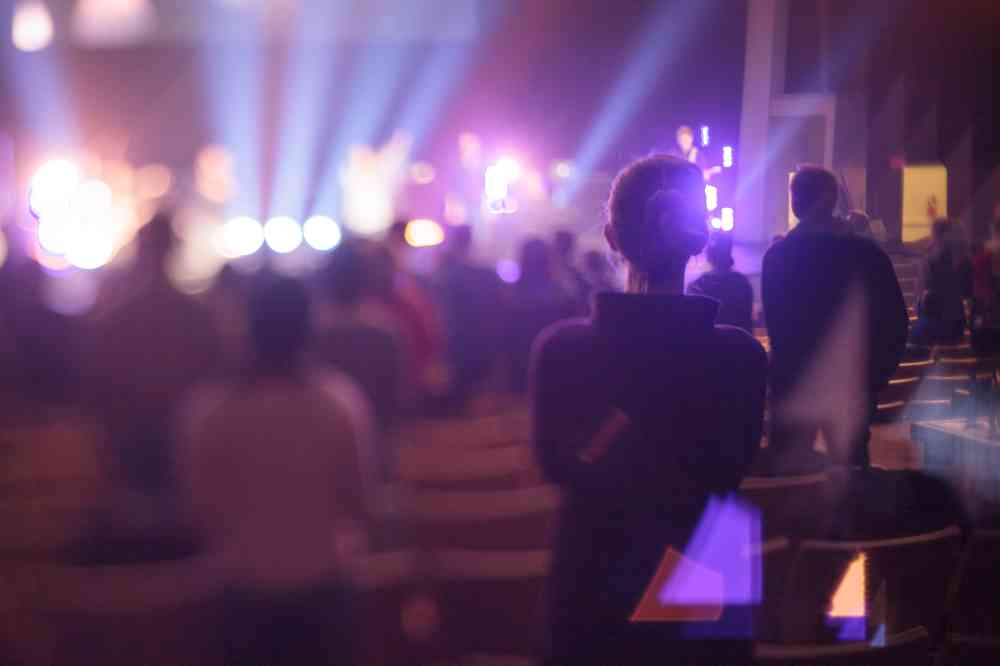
(241, 237)
(727, 156)
(56, 231)
(113, 22)
(423, 233)
(711, 197)
(92, 199)
(52, 187)
(728, 221)
(704, 135)
(282, 234)
(716, 223)
(509, 168)
(90, 248)
(32, 28)
(495, 185)
(508, 270)
(322, 233)
(422, 173)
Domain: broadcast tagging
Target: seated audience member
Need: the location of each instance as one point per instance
(535, 301)
(147, 346)
(859, 223)
(838, 328)
(731, 288)
(641, 413)
(272, 473)
(365, 351)
(468, 294)
(942, 290)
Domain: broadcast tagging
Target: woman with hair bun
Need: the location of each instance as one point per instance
(641, 414)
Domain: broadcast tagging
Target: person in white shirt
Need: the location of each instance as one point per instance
(273, 482)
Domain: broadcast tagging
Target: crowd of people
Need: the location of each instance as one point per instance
(256, 417)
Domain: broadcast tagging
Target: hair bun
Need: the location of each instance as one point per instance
(675, 227)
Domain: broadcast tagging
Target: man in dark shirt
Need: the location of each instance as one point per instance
(731, 288)
(838, 327)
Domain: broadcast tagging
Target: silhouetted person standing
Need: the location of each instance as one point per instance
(838, 327)
(641, 413)
(147, 346)
(731, 288)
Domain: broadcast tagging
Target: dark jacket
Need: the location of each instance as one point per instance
(806, 279)
(734, 293)
(694, 395)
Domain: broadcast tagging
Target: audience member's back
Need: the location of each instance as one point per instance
(145, 350)
(368, 353)
(273, 482)
(731, 288)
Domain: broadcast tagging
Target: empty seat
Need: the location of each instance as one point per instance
(976, 607)
(910, 648)
(491, 601)
(490, 519)
(793, 506)
(906, 583)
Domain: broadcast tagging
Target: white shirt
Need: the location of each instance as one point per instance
(273, 473)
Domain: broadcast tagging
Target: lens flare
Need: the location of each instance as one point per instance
(282, 234)
(423, 233)
(322, 233)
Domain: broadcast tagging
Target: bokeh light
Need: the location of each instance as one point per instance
(322, 233)
(93, 199)
(728, 219)
(241, 237)
(711, 197)
(423, 233)
(32, 28)
(716, 223)
(495, 183)
(562, 169)
(422, 173)
(90, 248)
(153, 181)
(705, 136)
(727, 156)
(471, 149)
(509, 168)
(52, 187)
(113, 23)
(508, 270)
(56, 231)
(282, 234)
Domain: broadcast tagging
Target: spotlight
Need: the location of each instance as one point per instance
(728, 222)
(90, 248)
(423, 233)
(93, 200)
(282, 234)
(727, 156)
(704, 135)
(32, 28)
(509, 168)
(241, 236)
(55, 231)
(496, 185)
(508, 270)
(711, 197)
(52, 187)
(322, 233)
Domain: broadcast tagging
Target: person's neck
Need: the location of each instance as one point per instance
(819, 223)
(664, 282)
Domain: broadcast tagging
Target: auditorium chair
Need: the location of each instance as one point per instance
(909, 648)
(970, 651)
(975, 608)
(776, 559)
(470, 469)
(491, 603)
(907, 583)
(489, 519)
(152, 614)
(792, 506)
